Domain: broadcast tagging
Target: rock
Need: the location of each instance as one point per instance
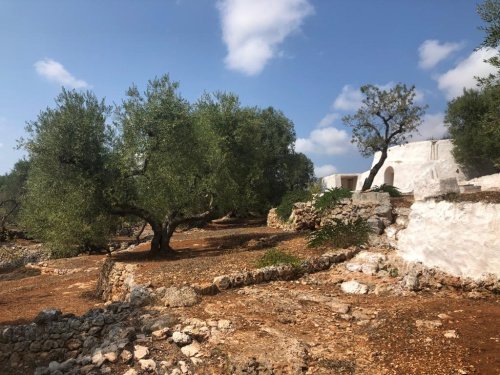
(222, 282)
(164, 321)
(191, 350)
(111, 357)
(147, 364)
(130, 371)
(224, 324)
(180, 338)
(411, 282)
(47, 316)
(428, 324)
(366, 262)
(376, 225)
(98, 358)
(126, 356)
(180, 297)
(339, 307)
(140, 351)
(353, 287)
(73, 344)
(160, 334)
(140, 296)
(183, 366)
(451, 334)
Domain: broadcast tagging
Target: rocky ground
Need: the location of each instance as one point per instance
(369, 315)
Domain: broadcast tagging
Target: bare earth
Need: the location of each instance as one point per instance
(289, 324)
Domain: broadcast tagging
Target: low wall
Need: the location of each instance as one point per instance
(462, 239)
(373, 206)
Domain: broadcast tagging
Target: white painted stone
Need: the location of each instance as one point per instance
(353, 287)
(462, 239)
(426, 187)
(490, 182)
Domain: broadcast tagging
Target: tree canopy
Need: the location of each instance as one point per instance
(386, 118)
(473, 119)
(163, 160)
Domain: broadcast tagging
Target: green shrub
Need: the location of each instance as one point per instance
(284, 210)
(341, 234)
(274, 257)
(385, 188)
(331, 198)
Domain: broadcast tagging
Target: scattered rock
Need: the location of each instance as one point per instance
(147, 364)
(180, 297)
(140, 351)
(181, 338)
(353, 287)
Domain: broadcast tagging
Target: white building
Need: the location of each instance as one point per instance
(404, 165)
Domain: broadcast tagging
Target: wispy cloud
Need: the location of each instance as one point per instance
(432, 127)
(324, 170)
(253, 30)
(55, 72)
(328, 120)
(463, 74)
(432, 52)
(326, 141)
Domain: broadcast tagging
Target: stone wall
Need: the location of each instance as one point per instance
(374, 207)
(57, 337)
(462, 239)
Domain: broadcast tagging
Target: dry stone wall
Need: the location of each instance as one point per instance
(374, 207)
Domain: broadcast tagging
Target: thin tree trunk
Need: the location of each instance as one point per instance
(137, 238)
(367, 184)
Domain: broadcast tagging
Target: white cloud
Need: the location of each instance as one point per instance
(253, 29)
(1, 145)
(55, 71)
(431, 52)
(462, 75)
(324, 170)
(432, 127)
(328, 120)
(350, 99)
(328, 141)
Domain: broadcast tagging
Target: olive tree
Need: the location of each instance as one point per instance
(163, 160)
(385, 118)
(69, 149)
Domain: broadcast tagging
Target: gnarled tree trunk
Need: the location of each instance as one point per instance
(367, 184)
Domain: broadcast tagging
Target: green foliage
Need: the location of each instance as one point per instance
(163, 160)
(274, 257)
(284, 210)
(69, 148)
(386, 188)
(12, 189)
(330, 198)
(489, 11)
(386, 118)
(341, 234)
(473, 121)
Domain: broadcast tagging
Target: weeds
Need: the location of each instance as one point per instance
(274, 257)
(385, 188)
(284, 210)
(341, 234)
(331, 198)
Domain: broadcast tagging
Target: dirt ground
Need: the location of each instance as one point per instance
(290, 324)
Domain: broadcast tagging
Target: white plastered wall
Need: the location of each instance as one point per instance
(462, 239)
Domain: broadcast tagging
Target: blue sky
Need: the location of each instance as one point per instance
(304, 57)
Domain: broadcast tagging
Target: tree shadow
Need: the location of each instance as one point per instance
(209, 247)
(18, 273)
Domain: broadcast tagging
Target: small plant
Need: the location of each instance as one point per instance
(385, 188)
(274, 257)
(341, 234)
(284, 210)
(331, 198)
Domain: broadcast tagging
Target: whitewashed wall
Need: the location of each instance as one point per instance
(490, 182)
(462, 239)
